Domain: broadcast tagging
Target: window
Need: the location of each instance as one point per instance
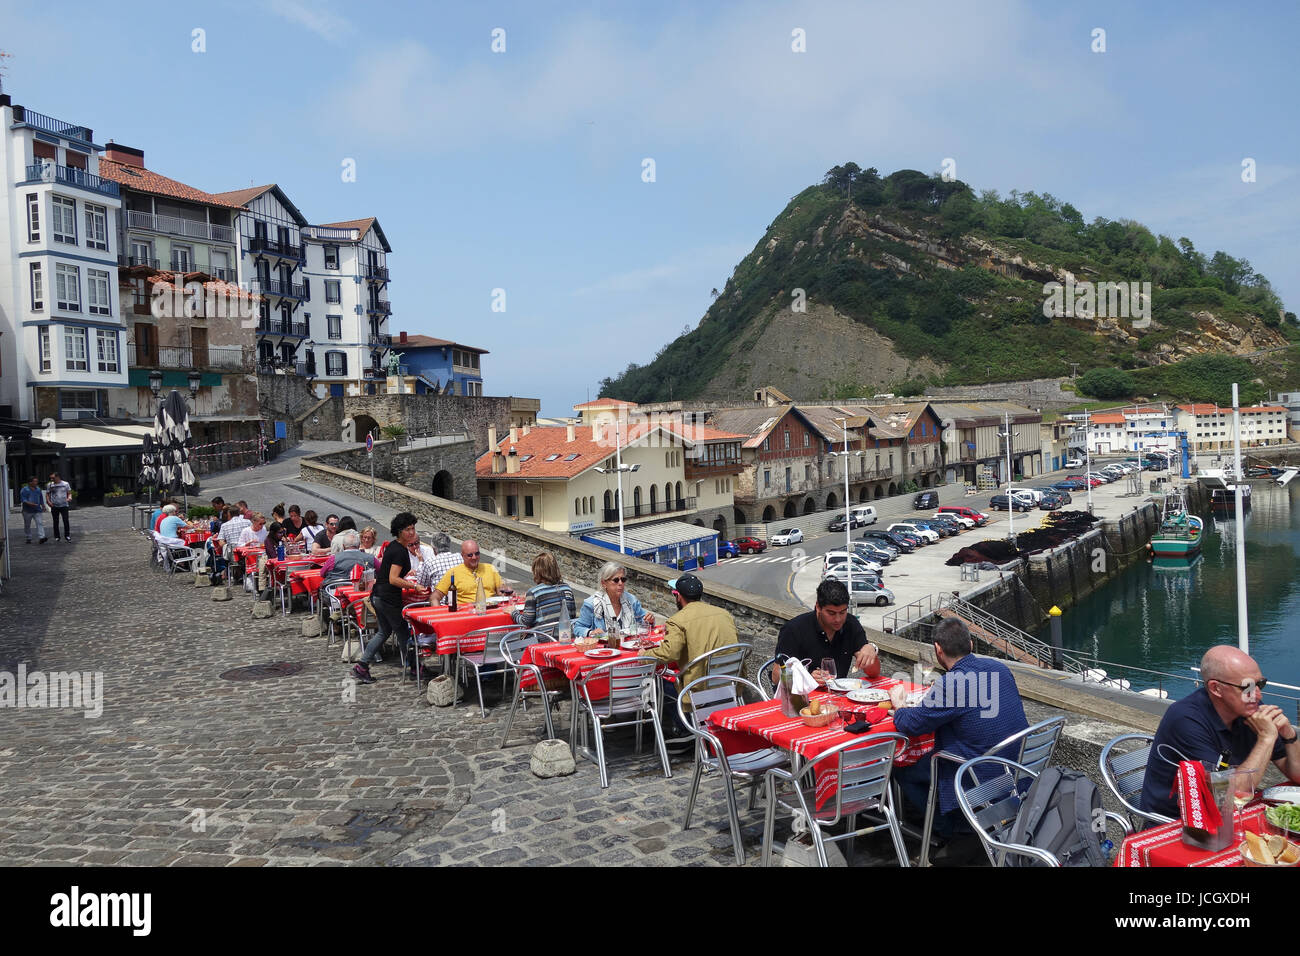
(767, 444)
(97, 295)
(767, 478)
(334, 325)
(807, 472)
(78, 400)
(306, 287)
(577, 507)
(787, 441)
(107, 350)
(512, 506)
(182, 258)
(141, 253)
(67, 287)
(336, 363)
(571, 457)
(333, 291)
(528, 506)
(96, 227)
(220, 264)
(43, 334)
(331, 257)
(74, 349)
(33, 217)
(65, 220)
(38, 287)
(553, 458)
(805, 439)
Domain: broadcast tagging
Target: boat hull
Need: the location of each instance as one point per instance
(1175, 547)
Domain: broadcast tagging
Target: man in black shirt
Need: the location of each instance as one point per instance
(323, 541)
(386, 598)
(829, 631)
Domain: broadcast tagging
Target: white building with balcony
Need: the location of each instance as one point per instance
(61, 330)
(348, 308)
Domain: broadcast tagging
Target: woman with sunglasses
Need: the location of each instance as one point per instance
(611, 605)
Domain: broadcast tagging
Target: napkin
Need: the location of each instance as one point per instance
(1196, 799)
(801, 682)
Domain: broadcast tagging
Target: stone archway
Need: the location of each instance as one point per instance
(925, 481)
(698, 522)
(720, 526)
(880, 493)
(809, 506)
(831, 501)
(769, 514)
(893, 489)
(790, 510)
(739, 517)
(363, 426)
(862, 494)
(443, 485)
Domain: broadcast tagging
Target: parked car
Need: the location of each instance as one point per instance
(979, 517)
(787, 536)
(961, 521)
(866, 592)
(840, 572)
(839, 523)
(880, 556)
(1069, 485)
(883, 541)
(727, 549)
(1063, 494)
(925, 534)
(1100, 476)
(904, 543)
(750, 545)
(1003, 503)
(1074, 463)
(924, 524)
(1021, 494)
(1087, 480)
(925, 501)
(864, 515)
(1051, 503)
(954, 524)
(1025, 492)
(860, 565)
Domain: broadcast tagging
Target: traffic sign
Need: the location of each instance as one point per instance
(370, 443)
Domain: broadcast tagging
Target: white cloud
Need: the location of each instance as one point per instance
(325, 24)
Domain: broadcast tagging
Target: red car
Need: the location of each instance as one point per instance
(750, 545)
(1093, 482)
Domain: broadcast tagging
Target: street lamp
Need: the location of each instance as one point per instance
(155, 381)
(848, 524)
(1087, 457)
(619, 468)
(1008, 434)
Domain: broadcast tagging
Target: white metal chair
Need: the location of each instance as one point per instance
(726, 661)
(488, 656)
(696, 702)
(765, 681)
(991, 807)
(1124, 767)
(284, 584)
(1034, 748)
(512, 648)
(862, 769)
(632, 699)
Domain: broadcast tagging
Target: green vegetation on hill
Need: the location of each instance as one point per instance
(958, 277)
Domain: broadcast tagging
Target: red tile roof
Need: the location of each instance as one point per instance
(428, 341)
(1108, 418)
(146, 181)
(242, 197)
(362, 226)
(167, 280)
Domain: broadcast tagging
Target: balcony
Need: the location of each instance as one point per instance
(646, 510)
(127, 262)
(51, 125)
(47, 172)
(278, 287)
(175, 226)
(378, 273)
(379, 307)
(186, 268)
(296, 329)
(374, 373)
(381, 341)
(232, 357)
(263, 245)
(713, 468)
(330, 232)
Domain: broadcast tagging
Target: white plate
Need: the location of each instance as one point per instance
(601, 652)
(845, 684)
(915, 697)
(1282, 794)
(869, 696)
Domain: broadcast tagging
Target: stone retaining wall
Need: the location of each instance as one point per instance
(414, 468)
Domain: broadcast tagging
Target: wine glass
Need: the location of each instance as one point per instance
(1243, 791)
(828, 669)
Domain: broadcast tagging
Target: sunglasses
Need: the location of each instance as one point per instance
(471, 554)
(619, 580)
(1247, 687)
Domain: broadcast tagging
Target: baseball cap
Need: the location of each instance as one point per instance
(688, 586)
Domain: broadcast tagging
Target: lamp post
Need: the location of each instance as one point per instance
(848, 524)
(1243, 637)
(1008, 434)
(1087, 457)
(619, 468)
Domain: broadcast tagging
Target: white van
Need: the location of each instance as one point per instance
(863, 516)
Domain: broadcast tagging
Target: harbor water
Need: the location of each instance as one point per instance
(1162, 615)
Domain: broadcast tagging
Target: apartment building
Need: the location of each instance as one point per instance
(1209, 427)
(975, 441)
(61, 330)
(440, 364)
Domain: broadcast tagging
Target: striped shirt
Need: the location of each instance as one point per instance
(432, 569)
(542, 605)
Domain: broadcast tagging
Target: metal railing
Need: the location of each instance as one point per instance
(129, 261)
(50, 124)
(282, 328)
(227, 357)
(380, 306)
(383, 341)
(329, 232)
(48, 172)
(274, 247)
(288, 290)
(377, 272)
(646, 510)
(177, 226)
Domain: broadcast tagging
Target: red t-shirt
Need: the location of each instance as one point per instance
(158, 522)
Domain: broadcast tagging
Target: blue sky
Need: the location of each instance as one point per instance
(522, 170)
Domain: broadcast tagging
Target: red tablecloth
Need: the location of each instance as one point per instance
(195, 536)
(449, 627)
(1164, 846)
(309, 581)
(571, 660)
(754, 726)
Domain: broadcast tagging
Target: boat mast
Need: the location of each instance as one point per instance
(1243, 638)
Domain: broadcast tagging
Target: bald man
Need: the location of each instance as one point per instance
(1221, 722)
(465, 578)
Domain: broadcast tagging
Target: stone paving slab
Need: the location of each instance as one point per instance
(184, 768)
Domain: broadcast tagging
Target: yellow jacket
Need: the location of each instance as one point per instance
(694, 630)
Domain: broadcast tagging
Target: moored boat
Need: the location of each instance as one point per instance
(1180, 530)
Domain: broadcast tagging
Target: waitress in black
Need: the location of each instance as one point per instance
(390, 580)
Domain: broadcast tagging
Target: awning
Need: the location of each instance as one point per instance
(120, 440)
(643, 539)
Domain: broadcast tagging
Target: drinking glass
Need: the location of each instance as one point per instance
(1243, 791)
(828, 668)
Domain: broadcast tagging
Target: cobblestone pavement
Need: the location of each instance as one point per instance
(185, 768)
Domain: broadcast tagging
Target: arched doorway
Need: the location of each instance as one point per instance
(609, 507)
(654, 499)
(790, 509)
(364, 425)
(809, 506)
(668, 497)
(831, 501)
(925, 481)
(720, 526)
(636, 500)
(442, 485)
(739, 517)
(880, 492)
(769, 514)
(893, 489)
(862, 494)
(681, 502)
(698, 522)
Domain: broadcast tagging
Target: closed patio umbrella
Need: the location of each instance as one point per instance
(172, 436)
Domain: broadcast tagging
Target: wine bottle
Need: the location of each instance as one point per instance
(480, 598)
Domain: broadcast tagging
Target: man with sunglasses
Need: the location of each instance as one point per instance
(465, 578)
(1223, 723)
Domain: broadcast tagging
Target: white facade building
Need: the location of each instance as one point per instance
(61, 330)
(1209, 427)
(348, 307)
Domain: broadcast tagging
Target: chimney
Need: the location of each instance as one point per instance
(514, 436)
(492, 439)
(498, 465)
(512, 461)
(401, 338)
(126, 155)
(595, 431)
(526, 429)
(568, 433)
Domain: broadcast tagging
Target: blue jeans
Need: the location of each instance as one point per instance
(391, 622)
(914, 781)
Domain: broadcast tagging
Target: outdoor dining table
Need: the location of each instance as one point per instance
(1163, 845)
(759, 725)
(195, 536)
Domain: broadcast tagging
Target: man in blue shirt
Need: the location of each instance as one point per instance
(33, 509)
(1222, 723)
(971, 708)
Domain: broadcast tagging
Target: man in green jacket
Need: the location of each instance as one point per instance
(695, 629)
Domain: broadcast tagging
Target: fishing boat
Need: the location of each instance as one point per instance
(1180, 530)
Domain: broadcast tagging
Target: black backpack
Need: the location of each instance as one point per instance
(1057, 815)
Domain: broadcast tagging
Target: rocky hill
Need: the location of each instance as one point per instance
(908, 281)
